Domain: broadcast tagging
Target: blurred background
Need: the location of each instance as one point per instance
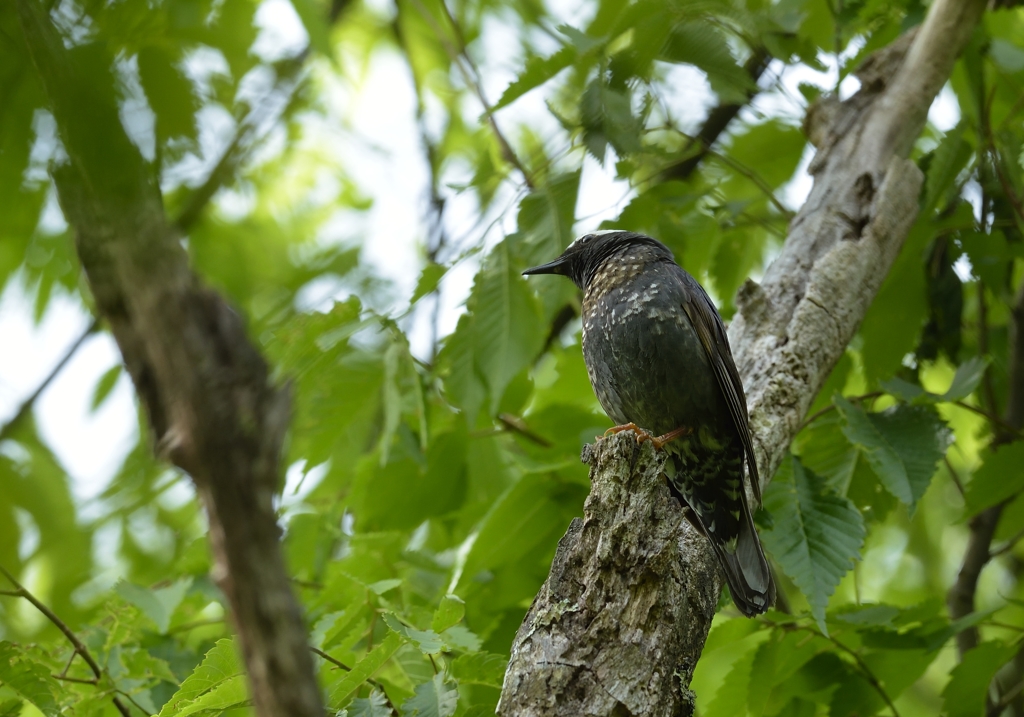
(365, 180)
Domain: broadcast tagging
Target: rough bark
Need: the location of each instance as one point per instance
(211, 404)
(789, 333)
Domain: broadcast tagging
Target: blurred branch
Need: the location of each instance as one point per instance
(461, 59)
(80, 648)
(978, 553)
(27, 404)
(717, 121)
(212, 406)
(247, 134)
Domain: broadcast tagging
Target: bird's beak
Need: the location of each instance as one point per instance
(558, 266)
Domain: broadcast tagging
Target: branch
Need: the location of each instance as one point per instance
(717, 121)
(80, 648)
(620, 623)
(960, 598)
(26, 406)
(207, 391)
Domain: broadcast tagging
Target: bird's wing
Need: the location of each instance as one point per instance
(711, 332)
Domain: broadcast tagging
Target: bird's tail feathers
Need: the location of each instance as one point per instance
(746, 569)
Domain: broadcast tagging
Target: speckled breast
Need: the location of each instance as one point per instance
(644, 358)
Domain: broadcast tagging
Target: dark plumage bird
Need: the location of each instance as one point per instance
(659, 361)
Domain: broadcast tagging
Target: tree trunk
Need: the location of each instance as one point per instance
(621, 621)
(207, 391)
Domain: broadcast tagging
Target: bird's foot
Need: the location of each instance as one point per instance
(642, 435)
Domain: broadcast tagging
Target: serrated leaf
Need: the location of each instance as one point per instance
(376, 705)
(480, 668)
(817, 534)
(363, 670)
(436, 698)
(221, 666)
(232, 692)
(428, 641)
(964, 696)
(462, 638)
(902, 444)
(702, 45)
(449, 612)
(537, 71)
(104, 386)
(999, 477)
(158, 605)
(29, 679)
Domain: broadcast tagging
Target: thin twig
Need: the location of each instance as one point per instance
(831, 407)
(22, 592)
(79, 680)
(954, 475)
(26, 406)
(862, 666)
(1008, 546)
(457, 56)
(518, 425)
(375, 683)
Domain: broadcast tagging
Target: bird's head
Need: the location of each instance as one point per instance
(584, 258)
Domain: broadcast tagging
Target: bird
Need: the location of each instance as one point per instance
(659, 361)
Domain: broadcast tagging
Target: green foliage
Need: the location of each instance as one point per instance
(817, 534)
(429, 486)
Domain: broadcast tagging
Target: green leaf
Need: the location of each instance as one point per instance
(158, 605)
(430, 277)
(968, 376)
(104, 386)
(903, 445)
(511, 528)
(964, 696)
(433, 699)
(499, 337)
(428, 641)
(1000, 477)
(950, 157)
(363, 670)
(218, 679)
(449, 612)
(731, 698)
(169, 92)
(376, 705)
(702, 45)
(817, 534)
(538, 70)
(11, 708)
(29, 679)
(232, 692)
(480, 668)
(314, 18)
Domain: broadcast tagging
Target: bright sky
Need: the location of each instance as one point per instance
(384, 144)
